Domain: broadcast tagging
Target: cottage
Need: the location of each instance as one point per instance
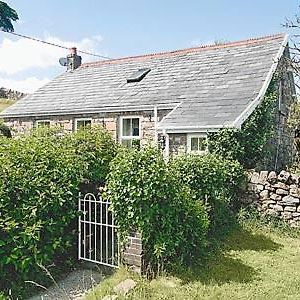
(176, 96)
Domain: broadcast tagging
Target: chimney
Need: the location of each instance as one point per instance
(73, 60)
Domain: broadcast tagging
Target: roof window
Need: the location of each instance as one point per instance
(138, 75)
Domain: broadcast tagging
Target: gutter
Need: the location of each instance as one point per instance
(193, 129)
(88, 111)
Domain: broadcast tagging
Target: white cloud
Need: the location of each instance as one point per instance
(28, 85)
(23, 54)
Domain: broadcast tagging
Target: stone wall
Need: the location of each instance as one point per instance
(276, 194)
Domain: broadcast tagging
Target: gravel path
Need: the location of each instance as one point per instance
(74, 286)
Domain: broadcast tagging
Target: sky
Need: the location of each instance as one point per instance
(118, 28)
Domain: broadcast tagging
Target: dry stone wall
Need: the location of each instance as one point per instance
(276, 194)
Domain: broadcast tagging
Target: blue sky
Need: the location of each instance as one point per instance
(118, 28)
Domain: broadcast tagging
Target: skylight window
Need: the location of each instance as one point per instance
(138, 75)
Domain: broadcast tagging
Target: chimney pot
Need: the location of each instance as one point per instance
(73, 51)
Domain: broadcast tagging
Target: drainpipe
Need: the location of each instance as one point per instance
(167, 148)
(155, 125)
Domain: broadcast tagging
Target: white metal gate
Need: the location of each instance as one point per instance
(98, 235)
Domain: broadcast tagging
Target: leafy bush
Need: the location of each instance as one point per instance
(40, 177)
(214, 180)
(147, 197)
(2, 296)
(97, 147)
(4, 130)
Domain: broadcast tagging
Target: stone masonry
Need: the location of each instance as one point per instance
(132, 254)
(110, 121)
(276, 194)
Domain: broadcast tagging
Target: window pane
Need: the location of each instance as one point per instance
(87, 123)
(202, 144)
(81, 124)
(135, 127)
(43, 124)
(126, 127)
(194, 144)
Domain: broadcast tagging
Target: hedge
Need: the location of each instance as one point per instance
(40, 177)
(216, 181)
(176, 206)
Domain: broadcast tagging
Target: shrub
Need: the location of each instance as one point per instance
(97, 148)
(214, 180)
(147, 197)
(40, 177)
(4, 130)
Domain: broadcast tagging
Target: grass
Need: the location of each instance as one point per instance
(256, 261)
(4, 103)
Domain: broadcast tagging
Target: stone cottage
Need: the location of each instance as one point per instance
(176, 97)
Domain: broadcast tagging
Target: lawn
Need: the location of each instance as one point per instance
(4, 103)
(256, 262)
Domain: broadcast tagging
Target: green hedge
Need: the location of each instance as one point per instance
(40, 177)
(216, 181)
(147, 197)
(97, 147)
(177, 206)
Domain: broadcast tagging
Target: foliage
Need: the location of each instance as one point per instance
(7, 15)
(294, 124)
(40, 177)
(251, 218)
(249, 145)
(97, 148)
(147, 197)
(214, 180)
(4, 130)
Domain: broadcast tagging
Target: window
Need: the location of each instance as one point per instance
(82, 123)
(138, 75)
(130, 132)
(42, 123)
(197, 143)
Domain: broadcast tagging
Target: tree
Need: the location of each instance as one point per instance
(4, 130)
(7, 15)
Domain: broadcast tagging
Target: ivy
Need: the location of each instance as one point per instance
(250, 144)
(175, 205)
(147, 196)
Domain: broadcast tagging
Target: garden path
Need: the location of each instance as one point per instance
(73, 287)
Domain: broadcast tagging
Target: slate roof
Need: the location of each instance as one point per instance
(208, 86)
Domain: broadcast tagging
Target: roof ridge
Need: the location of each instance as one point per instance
(186, 50)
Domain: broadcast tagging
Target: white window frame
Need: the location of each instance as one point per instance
(81, 119)
(37, 122)
(189, 142)
(131, 137)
